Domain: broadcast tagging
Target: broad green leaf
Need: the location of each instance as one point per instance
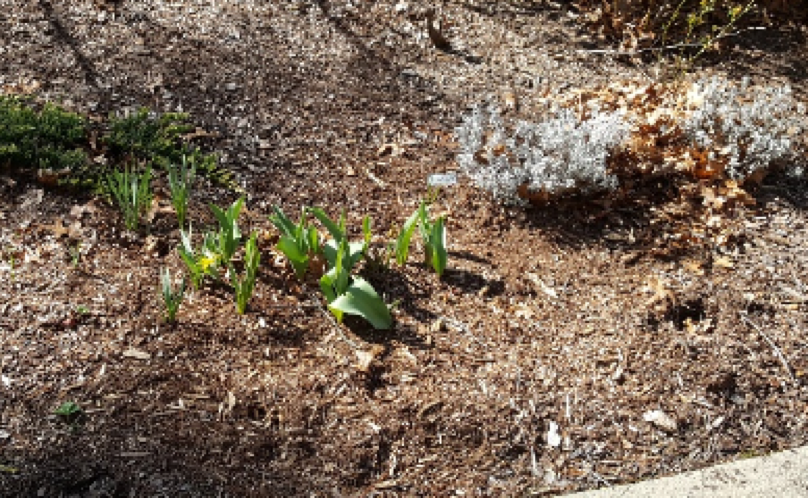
(282, 222)
(361, 299)
(330, 250)
(336, 231)
(352, 253)
(438, 243)
(355, 252)
(327, 285)
(299, 259)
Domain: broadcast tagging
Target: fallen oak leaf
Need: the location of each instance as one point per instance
(58, 229)
(723, 262)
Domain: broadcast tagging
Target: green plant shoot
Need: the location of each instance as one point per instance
(354, 296)
(244, 287)
(180, 181)
(402, 245)
(132, 193)
(297, 242)
(200, 264)
(229, 235)
(433, 235)
(171, 298)
(354, 250)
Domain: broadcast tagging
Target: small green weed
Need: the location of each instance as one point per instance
(71, 414)
(68, 410)
(132, 194)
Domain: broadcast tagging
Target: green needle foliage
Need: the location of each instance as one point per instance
(50, 138)
(158, 139)
(171, 298)
(132, 194)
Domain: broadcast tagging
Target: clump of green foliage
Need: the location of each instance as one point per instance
(345, 292)
(172, 298)
(202, 262)
(55, 141)
(244, 286)
(47, 138)
(299, 243)
(180, 181)
(145, 136)
(132, 194)
(217, 252)
(433, 234)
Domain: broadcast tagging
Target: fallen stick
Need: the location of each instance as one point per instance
(774, 347)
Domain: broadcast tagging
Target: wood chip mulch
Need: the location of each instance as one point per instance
(568, 347)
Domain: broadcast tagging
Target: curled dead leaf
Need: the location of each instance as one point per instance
(389, 149)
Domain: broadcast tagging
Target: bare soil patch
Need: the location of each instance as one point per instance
(568, 347)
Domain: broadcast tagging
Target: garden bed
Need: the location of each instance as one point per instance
(574, 345)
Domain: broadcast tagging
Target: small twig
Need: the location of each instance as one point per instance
(774, 347)
(611, 51)
(666, 47)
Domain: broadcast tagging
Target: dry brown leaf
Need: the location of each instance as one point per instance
(78, 211)
(723, 262)
(390, 149)
(364, 359)
(50, 177)
(58, 229)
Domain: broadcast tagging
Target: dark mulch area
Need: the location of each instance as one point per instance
(531, 368)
